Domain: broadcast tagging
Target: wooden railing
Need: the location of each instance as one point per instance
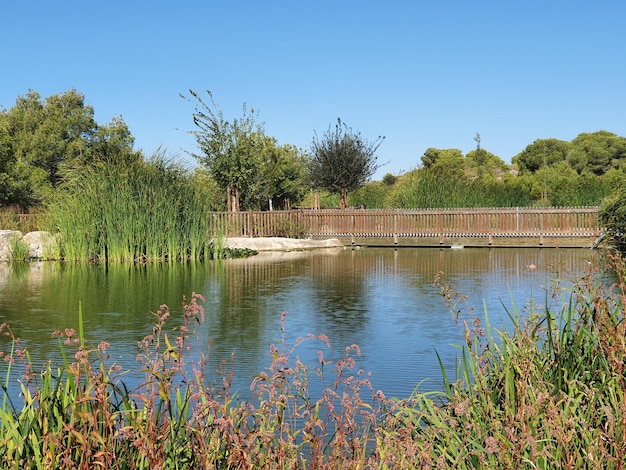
(490, 222)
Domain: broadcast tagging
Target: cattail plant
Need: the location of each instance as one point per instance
(143, 210)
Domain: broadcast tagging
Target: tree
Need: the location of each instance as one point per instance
(444, 162)
(113, 143)
(482, 164)
(600, 151)
(342, 161)
(41, 138)
(282, 175)
(540, 153)
(230, 150)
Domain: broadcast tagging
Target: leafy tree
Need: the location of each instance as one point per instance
(390, 179)
(42, 138)
(113, 143)
(540, 153)
(282, 175)
(230, 150)
(342, 161)
(600, 151)
(445, 162)
(481, 163)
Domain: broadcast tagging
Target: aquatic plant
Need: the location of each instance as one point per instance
(152, 210)
(548, 394)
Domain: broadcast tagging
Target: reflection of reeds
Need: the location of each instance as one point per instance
(138, 211)
(549, 394)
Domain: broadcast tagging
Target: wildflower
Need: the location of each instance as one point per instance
(491, 445)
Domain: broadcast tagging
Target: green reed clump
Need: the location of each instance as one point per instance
(18, 249)
(549, 394)
(140, 210)
(423, 189)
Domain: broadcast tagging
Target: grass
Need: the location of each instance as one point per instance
(549, 393)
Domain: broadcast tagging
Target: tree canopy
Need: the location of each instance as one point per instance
(596, 152)
(41, 138)
(229, 149)
(342, 160)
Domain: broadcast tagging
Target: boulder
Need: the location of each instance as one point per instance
(280, 244)
(7, 238)
(40, 244)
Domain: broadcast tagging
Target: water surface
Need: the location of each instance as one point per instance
(383, 300)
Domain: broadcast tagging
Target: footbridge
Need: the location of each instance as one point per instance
(505, 227)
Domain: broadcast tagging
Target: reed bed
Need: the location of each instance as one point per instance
(421, 189)
(547, 393)
(153, 210)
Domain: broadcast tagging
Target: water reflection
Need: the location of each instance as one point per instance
(383, 300)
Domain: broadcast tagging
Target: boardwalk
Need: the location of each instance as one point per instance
(568, 226)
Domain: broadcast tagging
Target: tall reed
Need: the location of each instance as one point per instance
(422, 189)
(550, 393)
(152, 210)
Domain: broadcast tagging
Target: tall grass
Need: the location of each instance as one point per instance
(150, 210)
(549, 393)
(421, 189)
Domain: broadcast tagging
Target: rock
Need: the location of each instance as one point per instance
(40, 244)
(280, 244)
(7, 238)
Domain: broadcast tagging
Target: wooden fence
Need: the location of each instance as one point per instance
(567, 226)
(394, 226)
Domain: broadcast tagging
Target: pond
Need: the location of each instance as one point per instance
(381, 299)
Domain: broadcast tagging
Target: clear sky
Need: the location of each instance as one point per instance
(421, 73)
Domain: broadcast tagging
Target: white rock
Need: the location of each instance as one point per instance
(40, 244)
(7, 237)
(280, 244)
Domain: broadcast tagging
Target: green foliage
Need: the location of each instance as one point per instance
(280, 180)
(140, 210)
(613, 217)
(426, 189)
(600, 151)
(41, 138)
(371, 196)
(390, 179)
(480, 163)
(448, 162)
(230, 150)
(596, 152)
(342, 161)
(541, 152)
(18, 249)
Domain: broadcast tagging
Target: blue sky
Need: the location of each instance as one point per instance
(421, 73)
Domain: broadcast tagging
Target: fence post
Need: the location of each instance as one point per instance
(395, 228)
(353, 224)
